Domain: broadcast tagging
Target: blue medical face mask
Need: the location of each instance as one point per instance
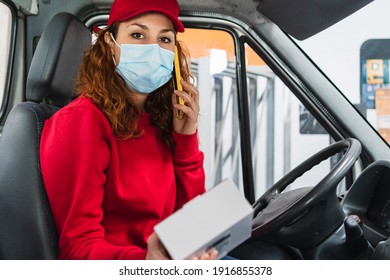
(144, 67)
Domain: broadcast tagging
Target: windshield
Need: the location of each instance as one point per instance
(355, 55)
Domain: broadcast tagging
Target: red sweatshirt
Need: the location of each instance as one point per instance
(107, 194)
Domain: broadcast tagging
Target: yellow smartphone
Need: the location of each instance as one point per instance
(177, 84)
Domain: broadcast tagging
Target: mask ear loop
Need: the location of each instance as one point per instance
(113, 58)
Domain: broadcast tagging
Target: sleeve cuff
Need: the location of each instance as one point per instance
(185, 144)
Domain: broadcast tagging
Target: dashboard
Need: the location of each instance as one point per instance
(369, 199)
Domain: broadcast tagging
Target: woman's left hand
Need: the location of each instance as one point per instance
(156, 250)
(189, 123)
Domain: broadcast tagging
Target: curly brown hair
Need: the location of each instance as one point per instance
(99, 80)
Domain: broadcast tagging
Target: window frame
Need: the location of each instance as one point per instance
(11, 58)
(242, 37)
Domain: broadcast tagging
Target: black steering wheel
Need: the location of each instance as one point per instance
(305, 216)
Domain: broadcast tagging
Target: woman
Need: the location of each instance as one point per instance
(116, 160)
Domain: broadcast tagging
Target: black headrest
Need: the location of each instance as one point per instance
(56, 60)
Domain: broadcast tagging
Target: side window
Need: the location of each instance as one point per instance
(283, 132)
(5, 42)
(213, 64)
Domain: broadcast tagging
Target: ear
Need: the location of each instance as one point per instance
(109, 41)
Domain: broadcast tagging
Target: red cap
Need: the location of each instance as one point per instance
(122, 10)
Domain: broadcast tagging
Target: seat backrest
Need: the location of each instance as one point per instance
(27, 228)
